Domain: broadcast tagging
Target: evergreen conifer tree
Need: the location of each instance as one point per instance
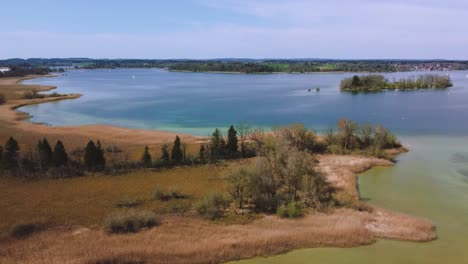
(45, 153)
(165, 154)
(202, 154)
(176, 153)
(146, 158)
(59, 157)
(232, 146)
(101, 159)
(11, 153)
(90, 155)
(217, 145)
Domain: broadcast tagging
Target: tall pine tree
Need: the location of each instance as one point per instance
(59, 157)
(202, 154)
(217, 145)
(232, 146)
(11, 155)
(90, 155)
(101, 159)
(146, 158)
(165, 154)
(176, 153)
(94, 156)
(45, 153)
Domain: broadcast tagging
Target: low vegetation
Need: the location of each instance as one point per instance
(33, 94)
(166, 195)
(23, 230)
(375, 83)
(130, 221)
(213, 206)
(128, 202)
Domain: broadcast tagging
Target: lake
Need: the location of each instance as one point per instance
(198, 102)
(430, 181)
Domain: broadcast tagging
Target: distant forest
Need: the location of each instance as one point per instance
(238, 65)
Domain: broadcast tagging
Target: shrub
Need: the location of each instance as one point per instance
(32, 94)
(64, 172)
(334, 149)
(55, 94)
(295, 210)
(212, 206)
(178, 207)
(163, 195)
(282, 211)
(2, 99)
(128, 202)
(130, 221)
(24, 229)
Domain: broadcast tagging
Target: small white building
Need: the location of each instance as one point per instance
(4, 69)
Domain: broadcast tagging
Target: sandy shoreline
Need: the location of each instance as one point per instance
(13, 120)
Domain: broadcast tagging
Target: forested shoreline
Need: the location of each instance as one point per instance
(241, 65)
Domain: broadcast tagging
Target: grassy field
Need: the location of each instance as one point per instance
(87, 200)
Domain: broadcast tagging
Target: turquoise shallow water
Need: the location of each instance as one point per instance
(425, 182)
(430, 181)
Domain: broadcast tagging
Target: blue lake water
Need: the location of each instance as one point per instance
(430, 181)
(198, 102)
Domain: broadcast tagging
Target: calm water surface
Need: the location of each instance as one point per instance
(430, 181)
(198, 102)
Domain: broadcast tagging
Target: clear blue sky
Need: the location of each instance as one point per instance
(413, 29)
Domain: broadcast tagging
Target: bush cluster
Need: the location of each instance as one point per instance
(130, 221)
(166, 195)
(212, 206)
(292, 210)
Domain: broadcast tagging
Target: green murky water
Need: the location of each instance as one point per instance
(430, 181)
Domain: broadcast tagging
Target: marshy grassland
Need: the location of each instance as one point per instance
(67, 215)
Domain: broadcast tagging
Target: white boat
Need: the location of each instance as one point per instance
(133, 76)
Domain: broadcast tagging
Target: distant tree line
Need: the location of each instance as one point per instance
(245, 65)
(307, 66)
(19, 71)
(372, 83)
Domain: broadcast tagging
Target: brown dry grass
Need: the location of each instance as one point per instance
(185, 239)
(182, 240)
(86, 200)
